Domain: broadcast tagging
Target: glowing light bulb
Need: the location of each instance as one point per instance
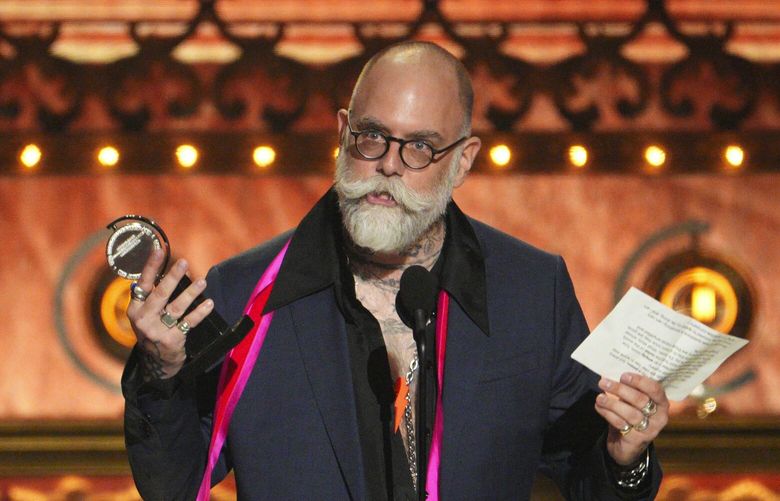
(30, 156)
(578, 155)
(655, 156)
(187, 155)
(704, 304)
(500, 155)
(734, 155)
(264, 156)
(108, 156)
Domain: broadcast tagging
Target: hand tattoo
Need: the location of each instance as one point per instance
(152, 361)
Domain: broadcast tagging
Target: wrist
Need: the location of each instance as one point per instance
(633, 475)
(154, 367)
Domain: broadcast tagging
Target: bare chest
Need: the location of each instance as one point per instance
(379, 299)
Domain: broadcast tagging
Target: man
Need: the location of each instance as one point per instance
(320, 416)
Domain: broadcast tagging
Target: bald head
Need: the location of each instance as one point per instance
(422, 60)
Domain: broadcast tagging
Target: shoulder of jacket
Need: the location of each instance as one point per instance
(496, 244)
(256, 257)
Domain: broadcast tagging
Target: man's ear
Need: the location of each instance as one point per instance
(341, 116)
(470, 150)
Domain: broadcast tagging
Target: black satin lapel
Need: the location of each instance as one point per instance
(462, 365)
(321, 335)
(463, 274)
(311, 259)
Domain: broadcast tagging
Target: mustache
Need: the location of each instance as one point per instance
(408, 200)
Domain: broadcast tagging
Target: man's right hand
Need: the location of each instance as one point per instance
(163, 346)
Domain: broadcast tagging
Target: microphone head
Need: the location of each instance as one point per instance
(417, 291)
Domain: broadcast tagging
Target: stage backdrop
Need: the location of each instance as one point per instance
(52, 276)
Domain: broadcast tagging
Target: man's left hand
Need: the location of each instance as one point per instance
(636, 409)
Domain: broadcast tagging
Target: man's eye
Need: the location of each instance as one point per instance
(419, 145)
(373, 135)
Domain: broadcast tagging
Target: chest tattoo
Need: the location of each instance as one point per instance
(380, 301)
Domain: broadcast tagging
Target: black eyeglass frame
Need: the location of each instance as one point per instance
(401, 144)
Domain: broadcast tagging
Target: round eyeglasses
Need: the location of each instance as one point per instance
(416, 154)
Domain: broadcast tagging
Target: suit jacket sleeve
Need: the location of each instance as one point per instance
(574, 452)
(167, 436)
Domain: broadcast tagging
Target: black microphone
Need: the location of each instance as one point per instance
(414, 303)
(416, 297)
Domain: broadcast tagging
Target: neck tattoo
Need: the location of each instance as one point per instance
(378, 267)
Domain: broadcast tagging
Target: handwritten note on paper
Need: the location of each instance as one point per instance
(644, 336)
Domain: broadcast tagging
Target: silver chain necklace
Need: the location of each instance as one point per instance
(411, 445)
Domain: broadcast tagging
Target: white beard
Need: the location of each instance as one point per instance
(386, 229)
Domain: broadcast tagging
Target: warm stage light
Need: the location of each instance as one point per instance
(108, 156)
(578, 155)
(30, 156)
(336, 151)
(264, 156)
(187, 155)
(500, 155)
(706, 408)
(704, 303)
(734, 155)
(705, 294)
(655, 156)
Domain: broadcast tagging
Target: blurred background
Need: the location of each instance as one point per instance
(640, 139)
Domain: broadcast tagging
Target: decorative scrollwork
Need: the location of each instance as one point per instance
(152, 84)
(602, 60)
(517, 77)
(599, 87)
(36, 76)
(284, 81)
(709, 66)
(732, 78)
(10, 100)
(151, 87)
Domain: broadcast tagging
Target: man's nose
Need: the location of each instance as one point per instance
(391, 164)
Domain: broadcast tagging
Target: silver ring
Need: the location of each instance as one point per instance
(643, 424)
(650, 408)
(184, 327)
(168, 320)
(138, 293)
(625, 430)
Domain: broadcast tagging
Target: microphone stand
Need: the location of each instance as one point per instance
(421, 404)
(415, 301)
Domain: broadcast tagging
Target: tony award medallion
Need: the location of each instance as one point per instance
(132, 241)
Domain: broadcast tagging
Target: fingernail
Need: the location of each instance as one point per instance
(200, 283)
(182, 264)
(602, 399)
(605, 383)
(209, 303)
(626, 378)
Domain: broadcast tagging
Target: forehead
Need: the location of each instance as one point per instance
(407, 97)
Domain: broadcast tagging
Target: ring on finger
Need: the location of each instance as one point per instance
(643, 424)
(625, 430)
(184, 327)
(138, 293)
(168, 320)
(650, 408)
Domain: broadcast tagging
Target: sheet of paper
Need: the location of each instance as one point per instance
(642, 335)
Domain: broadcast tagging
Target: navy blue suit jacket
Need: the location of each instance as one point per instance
(514, 401)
